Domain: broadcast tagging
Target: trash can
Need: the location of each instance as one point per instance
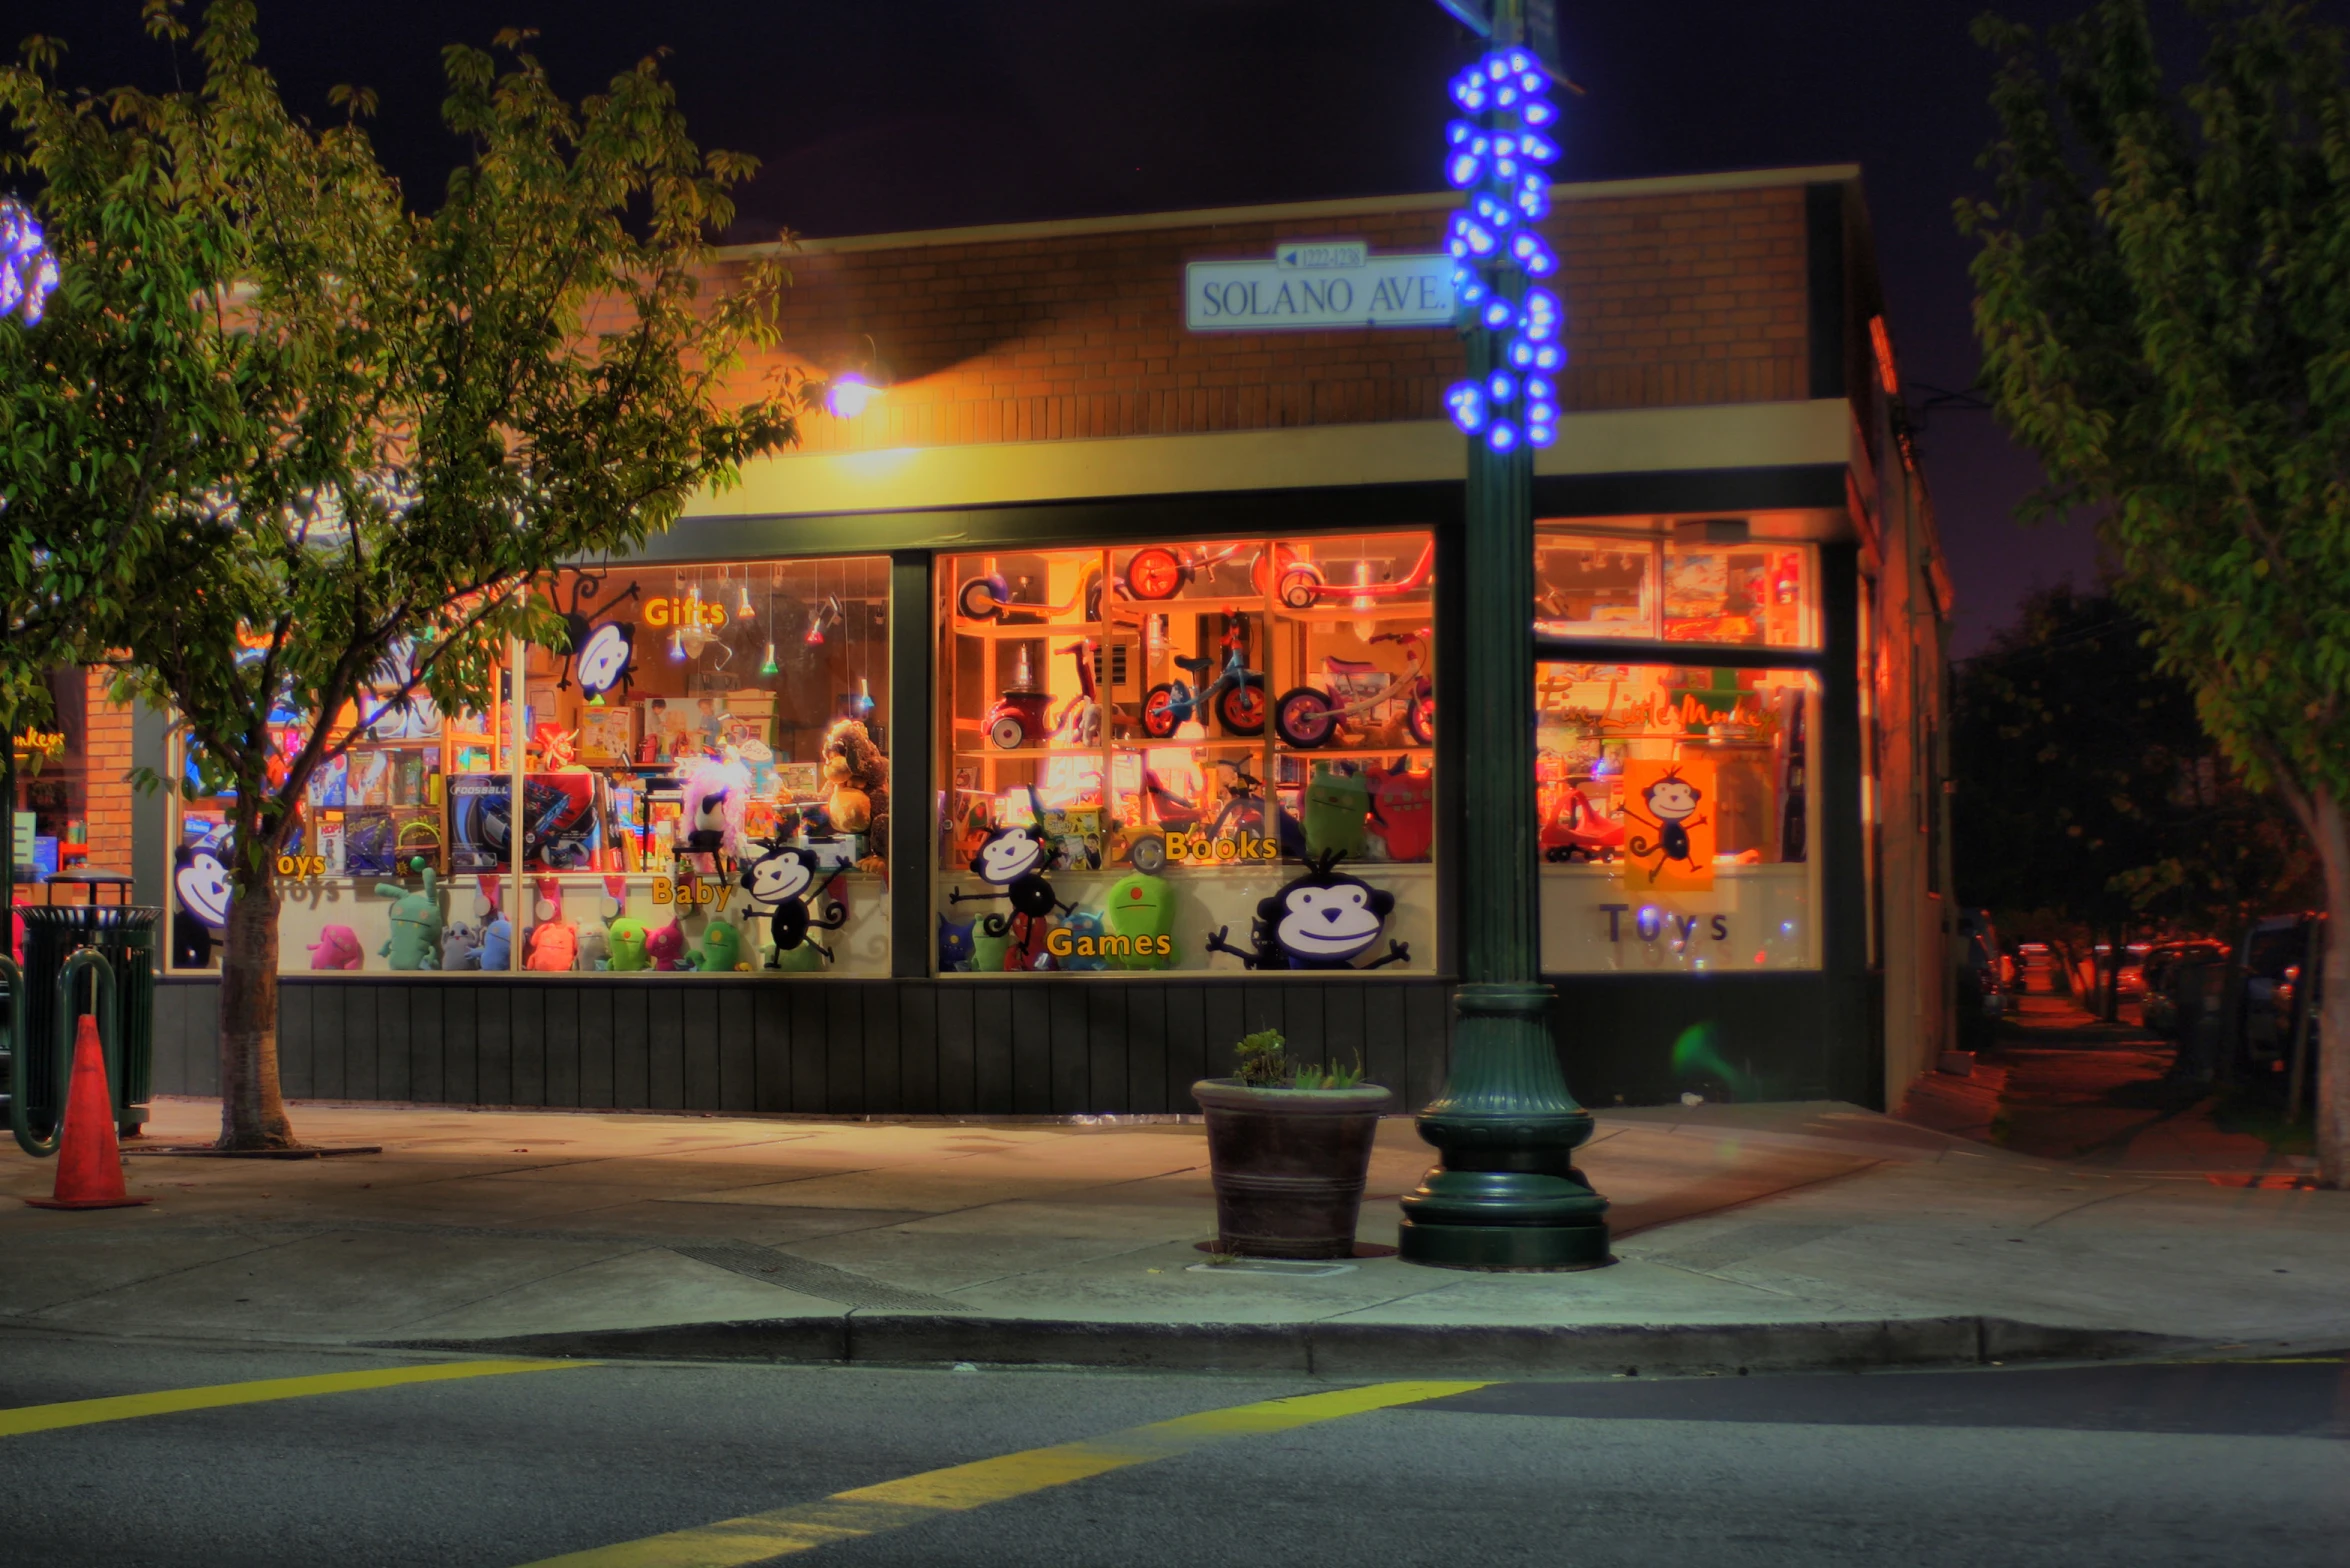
(125, 933)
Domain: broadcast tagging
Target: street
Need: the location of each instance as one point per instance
(2138, 1464)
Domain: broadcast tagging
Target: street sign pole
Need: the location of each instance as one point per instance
(1505, 1193)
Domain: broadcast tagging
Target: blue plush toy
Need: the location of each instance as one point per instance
(1084, 923)
(497, 945)
(954, 945)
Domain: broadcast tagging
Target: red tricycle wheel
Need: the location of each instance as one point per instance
(1419, 716)
(1158, 712)
(1241, 709)
(1007, 732)
(1154, 572)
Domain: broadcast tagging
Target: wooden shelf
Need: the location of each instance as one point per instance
(996, 631)
(1414, 750)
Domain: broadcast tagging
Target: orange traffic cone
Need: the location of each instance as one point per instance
(89, 1162)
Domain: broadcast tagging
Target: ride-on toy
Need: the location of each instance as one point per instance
(1155, 572)
(1302, 584)
(1575, 828)
(1311, 716)
(1236, 696)
(988, 597)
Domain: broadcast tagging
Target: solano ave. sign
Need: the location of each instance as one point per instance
(1318, 283)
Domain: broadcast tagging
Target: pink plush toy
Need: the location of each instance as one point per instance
(337, 947)
(554, 944)
(716, 795)
(666, 947)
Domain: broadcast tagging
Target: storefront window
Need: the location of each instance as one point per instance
(1204, 756)
(1676, 818)
(704, 791)
(1756, 594)
(49, 818)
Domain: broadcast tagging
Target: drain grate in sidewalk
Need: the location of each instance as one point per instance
(769, 1266)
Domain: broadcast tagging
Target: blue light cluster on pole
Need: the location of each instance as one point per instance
(1500, 158)
(28, 273)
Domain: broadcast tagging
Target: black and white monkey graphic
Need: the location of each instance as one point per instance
(1321, 919)
(1011, 861)
(1672, 802)
(787, 884)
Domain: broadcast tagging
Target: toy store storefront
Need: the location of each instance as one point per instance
(1022, 827)
(1016, 750)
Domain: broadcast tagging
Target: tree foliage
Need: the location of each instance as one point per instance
(290, 445)
(2163, 299)
(2088, 791)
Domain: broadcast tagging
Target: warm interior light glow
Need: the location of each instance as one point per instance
(849, 395)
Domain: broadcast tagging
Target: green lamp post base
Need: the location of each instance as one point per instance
(1507, 1194)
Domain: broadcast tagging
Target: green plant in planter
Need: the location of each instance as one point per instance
(1335, 1076)
(1263, 1061)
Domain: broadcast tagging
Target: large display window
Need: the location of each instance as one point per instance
(1209, 756)
(1674, 801)
(703, 790)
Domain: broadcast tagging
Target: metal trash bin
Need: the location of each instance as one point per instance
(125, 933)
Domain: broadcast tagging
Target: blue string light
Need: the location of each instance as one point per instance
(28, 273)
(1502, 168)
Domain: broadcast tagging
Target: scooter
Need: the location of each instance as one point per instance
(1236, 696)
(1302, 584)
(988, 597)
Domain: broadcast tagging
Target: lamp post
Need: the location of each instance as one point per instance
(1505, 1193)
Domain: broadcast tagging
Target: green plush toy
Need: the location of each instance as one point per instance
(991, 939)
(415, 942)
(805, 959)
(1141, 909)
(721, 947)
(1338, 812)
(626, 940)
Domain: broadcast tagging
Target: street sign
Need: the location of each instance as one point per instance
(1318, 284)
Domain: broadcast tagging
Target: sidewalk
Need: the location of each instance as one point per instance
(1763, 1237)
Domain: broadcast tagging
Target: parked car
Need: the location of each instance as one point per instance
(2276, 990)
(2165, 965)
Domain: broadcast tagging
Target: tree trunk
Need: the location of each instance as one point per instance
(2333, 1059)
(252, 1116)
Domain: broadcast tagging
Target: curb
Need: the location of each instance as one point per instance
(1338, 1349)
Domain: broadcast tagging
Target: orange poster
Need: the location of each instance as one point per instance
(1668, 814)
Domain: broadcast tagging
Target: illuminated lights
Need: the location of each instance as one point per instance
(1499, 165)
(28, 273)
(1467, 402)
(849, 395)
(768, 666)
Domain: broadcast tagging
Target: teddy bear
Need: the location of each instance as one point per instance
(856, 777)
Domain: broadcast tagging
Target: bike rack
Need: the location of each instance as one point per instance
(20, 1111)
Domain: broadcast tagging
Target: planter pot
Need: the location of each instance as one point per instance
(1289, 1165)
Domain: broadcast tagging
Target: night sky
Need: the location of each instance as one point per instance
(909, 114)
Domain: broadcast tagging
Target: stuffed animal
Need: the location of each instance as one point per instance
(554, 946)
(628, 943)
(460, 947)
(666, 947)
(497, 945)
(715, 797)
(856, 776)
(595, 951)
(720, 949)
(1403, 812)
(337, 947)
(1337, 813)
(954, 945)
(1141, 909)
(417, 923)
(991, 945)
(1081, 948)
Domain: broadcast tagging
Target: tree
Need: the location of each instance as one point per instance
(2088, 793)
(328, 441)
(2163, 300)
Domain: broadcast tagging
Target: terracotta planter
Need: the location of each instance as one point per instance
(1289, 1165)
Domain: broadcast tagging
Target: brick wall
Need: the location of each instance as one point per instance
(1677, 298)
(110, 792)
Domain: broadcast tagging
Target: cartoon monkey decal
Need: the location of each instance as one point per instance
(783, 884)
(1320, 919)
(1012, 861)
(199, 881)
(1673, 802)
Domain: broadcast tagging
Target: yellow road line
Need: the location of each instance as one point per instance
(892, 1505)
(124, 1407)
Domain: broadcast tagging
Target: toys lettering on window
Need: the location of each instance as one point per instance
(1321, 919)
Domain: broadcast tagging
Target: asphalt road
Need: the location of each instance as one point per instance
(2138, 1465)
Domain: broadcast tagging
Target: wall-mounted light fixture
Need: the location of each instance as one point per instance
(854, 388)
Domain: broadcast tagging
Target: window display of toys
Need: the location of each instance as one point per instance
(416, 921)
(1019, 717)
(337, 947)
(987, 597)
(1362, 704)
